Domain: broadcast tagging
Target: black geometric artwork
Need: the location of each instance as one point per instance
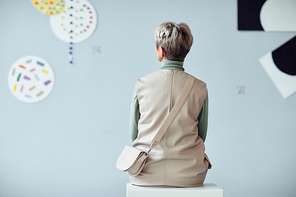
(249, 14)
(284, 57)
(266, 15)
(280, 65)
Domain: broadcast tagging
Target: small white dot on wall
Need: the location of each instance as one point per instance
(96, 50)
(240, 90)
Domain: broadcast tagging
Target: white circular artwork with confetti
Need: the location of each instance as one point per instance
(77, 23)
(31, 79)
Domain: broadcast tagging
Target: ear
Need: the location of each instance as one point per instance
(162, 53)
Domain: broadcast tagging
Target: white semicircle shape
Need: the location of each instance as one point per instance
(278, 15)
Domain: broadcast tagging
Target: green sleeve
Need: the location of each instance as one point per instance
(203, 120)
(134, 116)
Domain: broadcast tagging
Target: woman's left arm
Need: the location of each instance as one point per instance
(203, 120)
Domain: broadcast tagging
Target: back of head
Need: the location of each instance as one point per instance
(175, 39)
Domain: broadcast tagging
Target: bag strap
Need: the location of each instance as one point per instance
(174, 112)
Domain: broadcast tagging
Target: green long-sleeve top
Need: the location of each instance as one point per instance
(135, 112)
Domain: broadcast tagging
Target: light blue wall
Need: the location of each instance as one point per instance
(68, 144)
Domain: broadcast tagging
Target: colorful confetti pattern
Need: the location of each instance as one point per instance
(31, 79)
(77, 23)
(49, 7)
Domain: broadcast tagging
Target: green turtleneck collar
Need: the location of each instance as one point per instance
(172, 65)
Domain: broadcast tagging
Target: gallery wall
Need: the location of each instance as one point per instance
(68, 143)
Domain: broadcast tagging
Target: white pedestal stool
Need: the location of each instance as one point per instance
(207, 190)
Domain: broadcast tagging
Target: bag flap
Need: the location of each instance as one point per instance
(128, 156)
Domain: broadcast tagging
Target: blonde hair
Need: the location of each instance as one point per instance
(175, 39)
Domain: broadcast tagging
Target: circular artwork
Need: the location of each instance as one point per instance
(77, 23)
(49, 7)
(31, 79)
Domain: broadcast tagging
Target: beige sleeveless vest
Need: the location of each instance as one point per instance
(179, 159)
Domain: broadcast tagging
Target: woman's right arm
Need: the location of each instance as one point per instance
(134, 116)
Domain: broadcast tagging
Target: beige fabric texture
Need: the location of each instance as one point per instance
(179, 160)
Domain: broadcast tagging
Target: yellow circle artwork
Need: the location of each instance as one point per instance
(49, 7)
